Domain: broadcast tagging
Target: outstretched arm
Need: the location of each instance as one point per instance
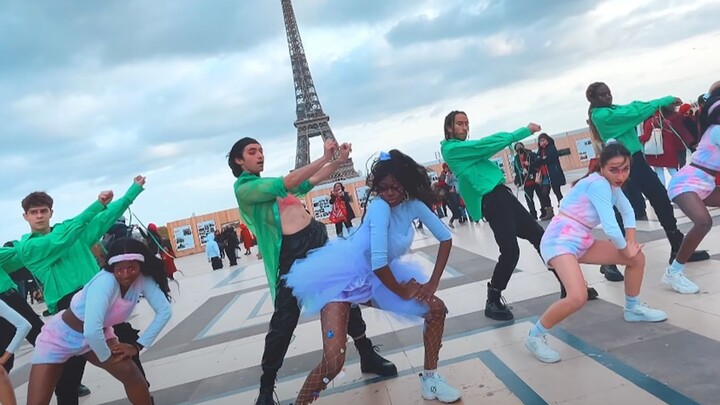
(330, 168)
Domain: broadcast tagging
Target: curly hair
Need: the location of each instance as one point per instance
(412, 176)
(151, 267)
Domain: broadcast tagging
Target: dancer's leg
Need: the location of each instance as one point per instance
(433, 333)
(43, 379)
(696, 209)
(7, 393)
(334, 319)
(127, 372)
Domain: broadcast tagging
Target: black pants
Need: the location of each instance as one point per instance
(557, 190)
(216, 263)
(287, 312)
(530, 190)
(508, 220)
(644, 181)
(453, 200)
(7, 331)
(339, 226)
(544, 196)
(231, 254)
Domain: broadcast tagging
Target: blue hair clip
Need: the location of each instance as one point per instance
(384, 156)
(611, 141)
(707, 96)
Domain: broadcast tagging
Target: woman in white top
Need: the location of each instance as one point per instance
(85, 329)
(22, 328)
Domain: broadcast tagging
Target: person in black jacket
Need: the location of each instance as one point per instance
(551, 172)
(338, 192)
(525, 167)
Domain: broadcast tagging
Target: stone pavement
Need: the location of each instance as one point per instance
(210, 352)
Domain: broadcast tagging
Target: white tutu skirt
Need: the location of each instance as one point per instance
(340, 271)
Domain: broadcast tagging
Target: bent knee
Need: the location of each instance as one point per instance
(437, 307)
(703, 225)
(576, 299)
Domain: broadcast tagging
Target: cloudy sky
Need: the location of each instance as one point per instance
(93, 93)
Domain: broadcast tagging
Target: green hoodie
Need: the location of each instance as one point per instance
(619, 122)
(62, 260)
(470, 162)
(257, 201)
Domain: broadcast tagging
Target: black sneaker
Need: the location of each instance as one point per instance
(697, 256)
(611, 272)
(267, 396)
(83, 391)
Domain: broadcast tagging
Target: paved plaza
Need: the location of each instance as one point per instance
(210, 352)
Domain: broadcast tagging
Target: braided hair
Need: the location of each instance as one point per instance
(412, 176)
(594, 103)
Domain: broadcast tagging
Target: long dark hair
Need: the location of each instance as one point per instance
(412, 176)
(152, 266)
(550, 141)
(608, 152)
(449, 122)
(710, 111)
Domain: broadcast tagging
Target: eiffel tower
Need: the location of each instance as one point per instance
(311, 120)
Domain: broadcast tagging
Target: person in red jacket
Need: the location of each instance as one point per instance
(675, 140)
(247, 237)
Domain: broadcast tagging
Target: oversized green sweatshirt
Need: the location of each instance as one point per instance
(62, 260)
(6, 283)
(257, 201)
(619, 122)
(470, 162)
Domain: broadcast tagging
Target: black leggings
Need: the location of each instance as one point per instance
(339, 226)
(7, 330)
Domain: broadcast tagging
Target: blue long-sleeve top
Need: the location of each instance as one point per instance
(391, 228)
(212, 249)
(101, 305)
(591, 202)
(22, 326)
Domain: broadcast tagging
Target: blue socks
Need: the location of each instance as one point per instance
(631, 302)
(538, 330)
(676, 267)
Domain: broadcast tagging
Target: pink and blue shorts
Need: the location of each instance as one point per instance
(690, 179)
(565, 236)
(57, 342)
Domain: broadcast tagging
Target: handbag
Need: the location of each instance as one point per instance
(338, 213)
(654, 145)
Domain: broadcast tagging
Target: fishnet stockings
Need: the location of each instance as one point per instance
(433, 332)
(334, 320)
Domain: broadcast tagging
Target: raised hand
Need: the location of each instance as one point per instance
(345, 150)
(105, 197)
(330, 147)
(140, 180)
(533, 127)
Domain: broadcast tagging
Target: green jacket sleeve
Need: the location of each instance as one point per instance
(616, 120)
(261, 190)
(37, 251)
(486, 147)
(104, 220)
(303, 188)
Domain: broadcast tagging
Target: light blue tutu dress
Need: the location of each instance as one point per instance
(342, 270)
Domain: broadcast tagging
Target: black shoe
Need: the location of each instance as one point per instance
(267, 396)
(495, 307)
(83, 391)
(697, 256)
(371, 362)
(611, 272)
(592, 294)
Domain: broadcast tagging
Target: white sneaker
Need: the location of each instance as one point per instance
(541, 349)
(643, 313)
(680, 283)
(435, 387)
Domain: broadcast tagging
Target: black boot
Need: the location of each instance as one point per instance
(267, 397)
(371, 362)
(591, 292)
(611, 272)
(495, 307)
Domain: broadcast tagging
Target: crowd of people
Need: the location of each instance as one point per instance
(90, 293)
